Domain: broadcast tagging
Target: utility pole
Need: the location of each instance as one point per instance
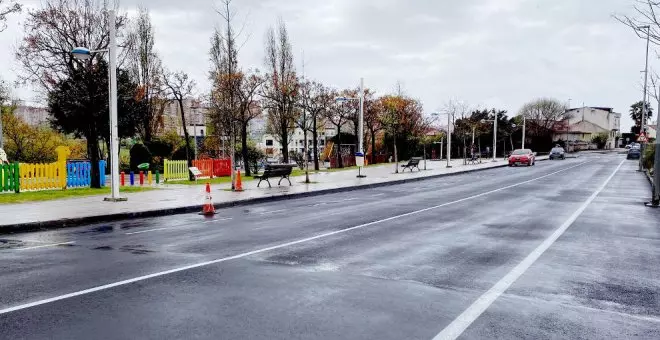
(646, 78)
(495, 137)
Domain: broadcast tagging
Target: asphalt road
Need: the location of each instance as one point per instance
(562, 250)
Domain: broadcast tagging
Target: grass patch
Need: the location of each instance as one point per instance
(48, 195)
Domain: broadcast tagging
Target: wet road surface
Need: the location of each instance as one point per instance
(564, 249)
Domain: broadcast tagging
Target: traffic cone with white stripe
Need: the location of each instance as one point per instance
(208, 209)
(239, 184)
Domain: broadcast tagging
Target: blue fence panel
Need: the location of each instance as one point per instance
(78, 174)
(102, 165)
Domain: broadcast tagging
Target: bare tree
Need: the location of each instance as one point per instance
(459, 111)
(646, 14)
(7, 7)
(180, 87)
(280, 91)
(543, 114)
(316, 99)
(338, 114)
(144, 66)
(248, 109)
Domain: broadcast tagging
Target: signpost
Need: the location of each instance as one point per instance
(195, 172)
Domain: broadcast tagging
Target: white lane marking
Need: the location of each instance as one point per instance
(272, 211)
(146, 231)
(45, 245)
(261, 250)
(168, 228)
(218, 220)
(376, 195)
(465, 319)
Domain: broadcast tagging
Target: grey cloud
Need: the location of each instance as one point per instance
(485, 52)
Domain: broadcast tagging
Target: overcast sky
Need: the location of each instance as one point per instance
(487, 53)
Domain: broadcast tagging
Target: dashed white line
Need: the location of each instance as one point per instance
(271, 211)
(465, 319)
(45, 245)
(218, 220)
(261, 250)
(146, 231)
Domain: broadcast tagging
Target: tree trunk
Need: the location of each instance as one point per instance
(340, 161)
(373, 147)
(396, 158)
(244, 149)
(93, 150)
(315, 145)
(187, 137)
(284, 132)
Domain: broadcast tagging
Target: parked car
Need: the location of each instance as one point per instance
(522, 157)
(634, 153)
(557, 153)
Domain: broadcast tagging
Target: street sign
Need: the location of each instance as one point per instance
(642, 138)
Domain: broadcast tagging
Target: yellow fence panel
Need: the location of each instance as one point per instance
(49, 176)
(175, 170)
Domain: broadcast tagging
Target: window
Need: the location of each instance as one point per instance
(269, 142)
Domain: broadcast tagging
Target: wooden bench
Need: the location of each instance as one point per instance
(283, 171)
(412, 163)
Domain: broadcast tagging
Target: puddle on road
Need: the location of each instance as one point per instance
(103, 248)
(11, 244)
(104, 229)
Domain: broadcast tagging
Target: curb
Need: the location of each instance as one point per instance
(73, 222)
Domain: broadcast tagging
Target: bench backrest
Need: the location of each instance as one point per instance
(414, 161)
(277, 169)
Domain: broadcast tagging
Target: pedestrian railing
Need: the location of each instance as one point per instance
(9, 177)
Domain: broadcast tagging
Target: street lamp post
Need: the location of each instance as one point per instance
(644, 96)
(84, 54)
(360, 98)
(449, 116)
(523, 131)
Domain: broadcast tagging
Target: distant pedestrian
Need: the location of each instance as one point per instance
(488, 151)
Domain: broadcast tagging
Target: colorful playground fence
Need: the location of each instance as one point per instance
(9, 177)
(221, 167)
(178, 170)
(175, 170)
(39, 176)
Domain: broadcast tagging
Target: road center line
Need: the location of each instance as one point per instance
(146, 231)
(263, 250)
(465, 319)
(272, 211)
(45, 245)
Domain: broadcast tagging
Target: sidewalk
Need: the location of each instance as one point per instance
(172, 198)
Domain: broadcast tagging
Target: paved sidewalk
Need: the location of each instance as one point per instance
(170, 199)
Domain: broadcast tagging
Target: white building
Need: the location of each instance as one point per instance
(196, 117)
(586, 122)
(32, 115)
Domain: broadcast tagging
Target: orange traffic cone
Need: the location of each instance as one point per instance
(208, 209)
(239, 185)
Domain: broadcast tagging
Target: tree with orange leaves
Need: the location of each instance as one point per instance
(401, 118)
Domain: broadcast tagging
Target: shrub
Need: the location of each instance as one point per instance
(649, 156)
(600, 140)
(139, 154)
(299, 158)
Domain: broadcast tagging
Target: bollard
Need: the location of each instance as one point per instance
(132, 178)
(122, 179)
(149, 177)
(157, 177)
(141, 177)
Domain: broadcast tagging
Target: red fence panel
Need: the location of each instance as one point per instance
(205, 166)
(221, 167)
